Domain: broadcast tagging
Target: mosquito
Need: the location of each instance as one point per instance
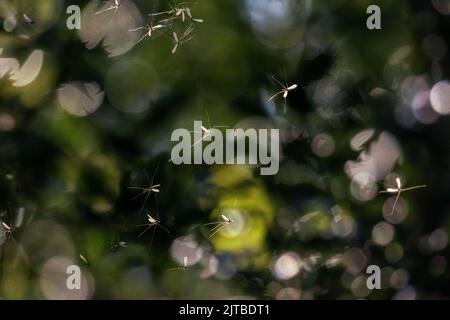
(398, 190)
(114, 6)
(31, 23)
(27, 19)
(175, 10)
(8, 229)
(336, 216)
(152, 223)
(184, 14)
(178, 12)
(148, 30)
(206, 132)
(121, 244)
(219, 225)
(184, 267)
(152, 188)
(179, 40)
(333, 261)
(84, 259)
(308, 216)
(285, 89)
(117, 245)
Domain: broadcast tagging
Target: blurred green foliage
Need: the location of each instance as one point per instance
(71, 174)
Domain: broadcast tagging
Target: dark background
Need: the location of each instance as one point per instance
(67, 175)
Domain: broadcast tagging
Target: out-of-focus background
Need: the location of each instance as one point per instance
(85, 114)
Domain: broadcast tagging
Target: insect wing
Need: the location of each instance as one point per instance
(151, 219)
(398, 182)
(6, 226)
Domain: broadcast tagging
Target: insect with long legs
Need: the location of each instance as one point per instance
(398, 190)
(337, 217)
(206, 132)
(310, 262)
(30, 23)
(148, 30)
(304, 219)
(285, 89)
(8, 229)
(27, 19)
(152, 223)
(114, 6)
(117, 245)
(179, 11)
(175, 10)
(219, 225)
(184, 14)
(184, 267)
(179, 40)
(83, 258)
(152, 188)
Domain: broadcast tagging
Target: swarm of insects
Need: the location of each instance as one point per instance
(7, 228)
(183, 38)
(398, 190)
(121, 244)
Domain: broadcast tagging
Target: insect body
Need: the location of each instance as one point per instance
(117, 245)
(285, 89)
(219, 225)
(84, 259)
(152, 222)
(180, 11)
(398, 190)
(152, 188)
(148, 30)
(184, 267)
(8, 230)
(114, 6)
(179, 40)
(206, 132)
